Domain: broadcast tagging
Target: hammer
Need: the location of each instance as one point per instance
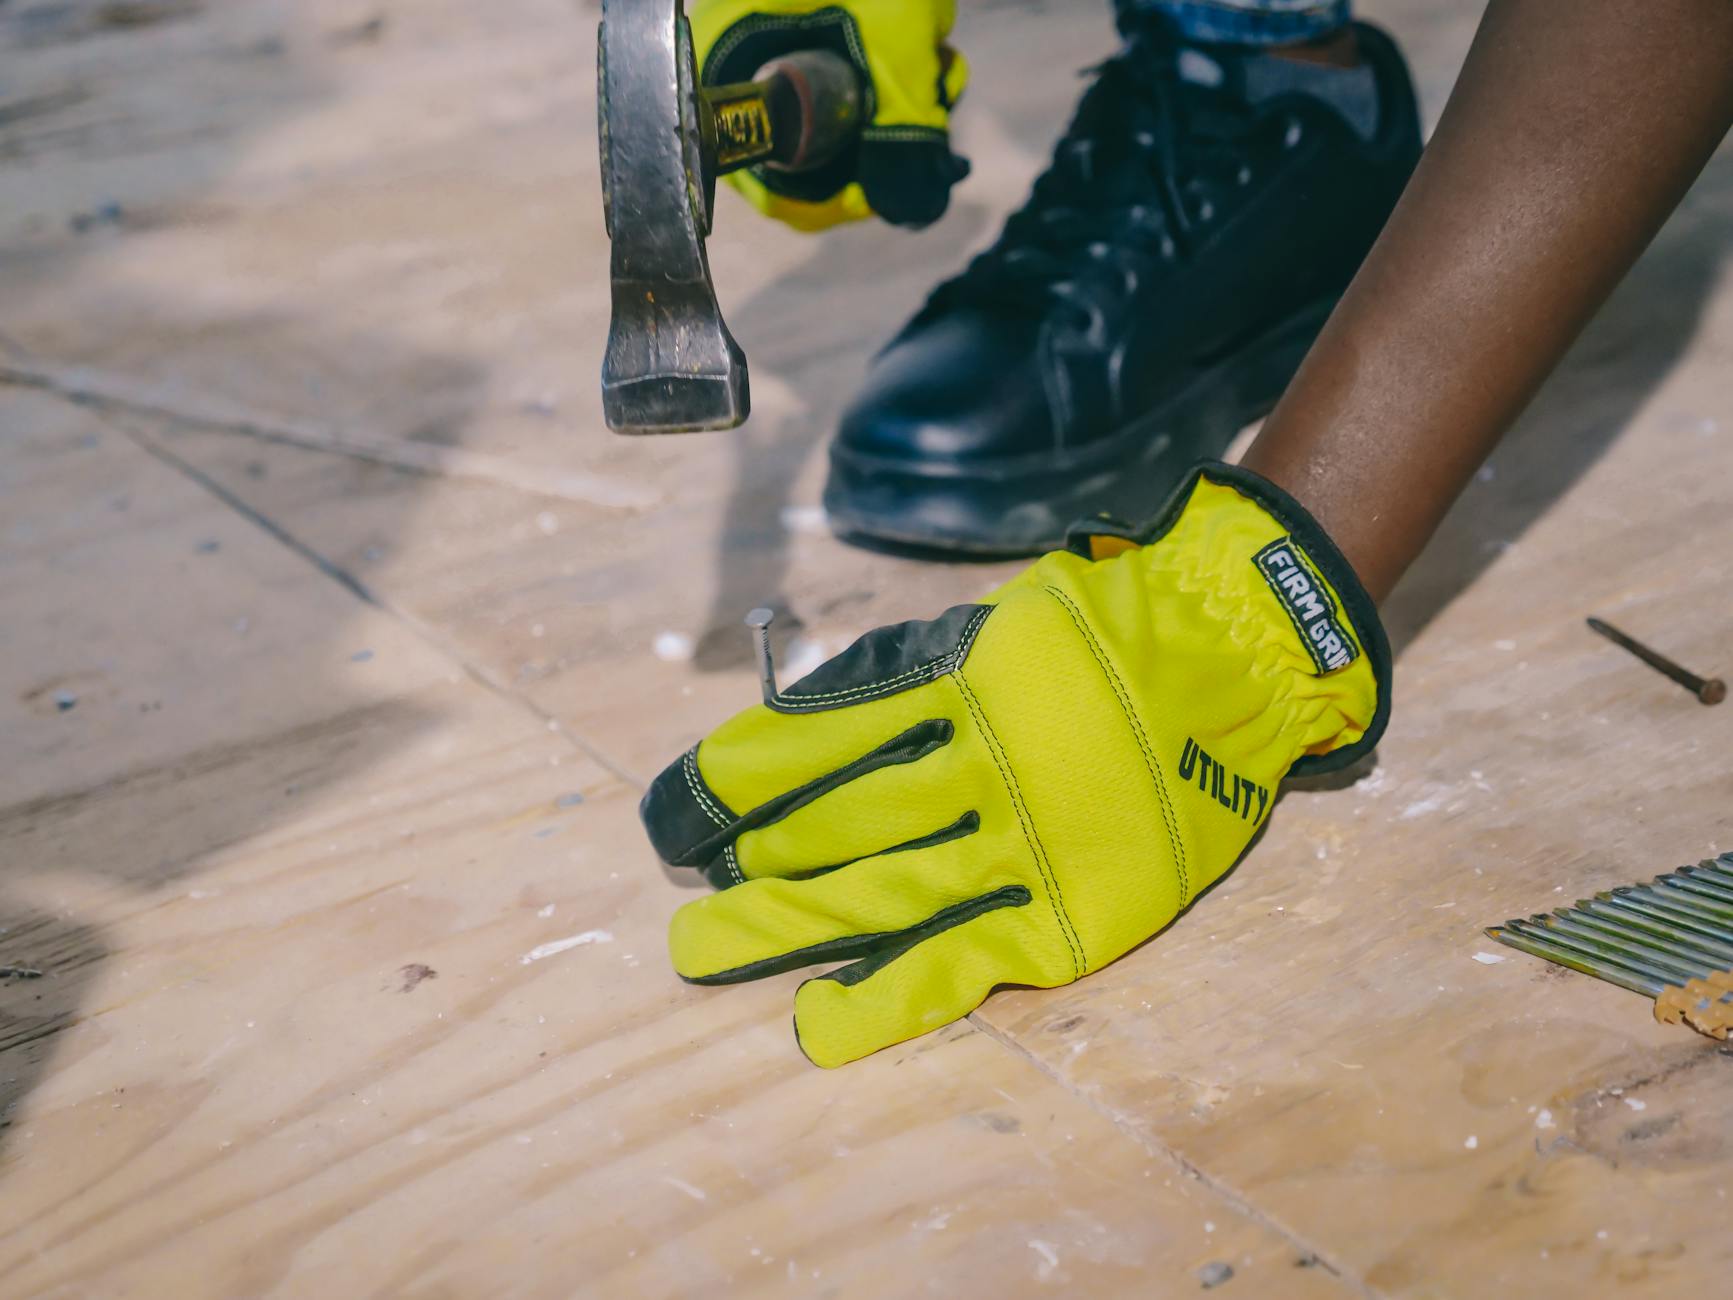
(671, 364)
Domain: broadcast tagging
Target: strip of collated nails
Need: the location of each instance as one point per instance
(1670, 939)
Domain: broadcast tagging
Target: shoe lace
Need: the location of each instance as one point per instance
(1140, 171)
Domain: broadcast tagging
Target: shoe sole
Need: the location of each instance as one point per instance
(1023, 507)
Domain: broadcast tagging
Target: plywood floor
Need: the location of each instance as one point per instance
(329, 618)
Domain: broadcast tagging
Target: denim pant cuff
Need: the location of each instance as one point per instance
(1248, 22)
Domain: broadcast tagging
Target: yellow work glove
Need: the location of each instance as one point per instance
(1019, 792)
(903, 167)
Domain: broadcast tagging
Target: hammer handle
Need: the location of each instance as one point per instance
(801, 111)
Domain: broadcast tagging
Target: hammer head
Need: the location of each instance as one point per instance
(671, 364)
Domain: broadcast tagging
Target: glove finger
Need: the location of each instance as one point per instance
(953, 75)
(765, 927)
(848, 204)
(926, 979)
(899, 807)
(878, 706)
(944, 17)
(906, 173)
(694, 819)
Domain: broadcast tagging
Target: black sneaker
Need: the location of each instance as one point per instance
(1153, 296)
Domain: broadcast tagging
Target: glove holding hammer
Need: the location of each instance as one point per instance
(818, 115)
(901, 168)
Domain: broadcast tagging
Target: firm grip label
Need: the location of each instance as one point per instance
(1309, 604)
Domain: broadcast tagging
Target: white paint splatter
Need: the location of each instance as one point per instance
(1420, 807)
(1471, 1142)
(545, 911)
(1488, 958)
(1049, 1258)
(672, 647)
(680, 1184)
(804, 519)
(934, 1222)
(561, 945)
(1634, 1104)
(1543, 1120)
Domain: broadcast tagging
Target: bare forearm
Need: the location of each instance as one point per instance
(1572, 133)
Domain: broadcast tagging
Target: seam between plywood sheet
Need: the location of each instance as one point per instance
(354, 586)
(1229, 1195)
(106, 392)
(112, 406)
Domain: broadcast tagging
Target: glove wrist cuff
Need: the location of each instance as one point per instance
(1097, 539)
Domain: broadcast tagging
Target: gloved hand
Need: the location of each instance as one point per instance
(903, 168)
(1018, 792)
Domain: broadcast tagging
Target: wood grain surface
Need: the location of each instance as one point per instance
(339, 639)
